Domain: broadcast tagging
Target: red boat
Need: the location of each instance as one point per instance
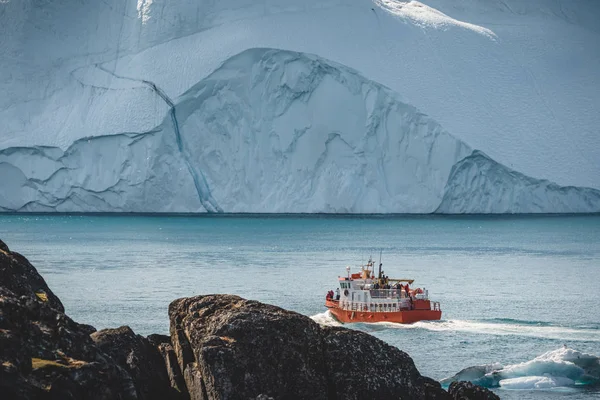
(362, 297)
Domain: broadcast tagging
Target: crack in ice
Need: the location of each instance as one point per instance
(200, 182)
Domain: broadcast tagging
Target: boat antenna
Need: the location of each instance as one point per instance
(380, 251)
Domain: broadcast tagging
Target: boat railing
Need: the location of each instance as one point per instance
(396, 294)
(422, 296)
(392, 306)
(386, 293)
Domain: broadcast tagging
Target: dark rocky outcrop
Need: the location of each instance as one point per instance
(43, 353)
(373, 368)
(21, 278)
(140, 358)
(166, 350)
(231, 348)
(464, 390)
(221, 347)
(3, 247)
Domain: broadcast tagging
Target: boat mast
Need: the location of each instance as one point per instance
(379, 275)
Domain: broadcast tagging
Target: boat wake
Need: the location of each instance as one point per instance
(559, 368)
(506, 327)
(326, 319)
(500, 327)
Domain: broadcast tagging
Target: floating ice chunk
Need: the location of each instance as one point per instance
(562, 367)
(536, 382)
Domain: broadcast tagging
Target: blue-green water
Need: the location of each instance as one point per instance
(510, 288)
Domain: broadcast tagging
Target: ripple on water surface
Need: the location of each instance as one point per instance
(511, 288)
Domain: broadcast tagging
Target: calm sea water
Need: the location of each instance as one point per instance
(511, 288)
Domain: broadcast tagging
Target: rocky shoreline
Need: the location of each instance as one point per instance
(220, 347)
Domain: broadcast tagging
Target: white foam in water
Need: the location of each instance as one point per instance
(489, 328)
(325, 318)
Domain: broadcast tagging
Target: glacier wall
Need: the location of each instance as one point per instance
(478, 184)
(119, 173)
(277, 131)
(517, 80)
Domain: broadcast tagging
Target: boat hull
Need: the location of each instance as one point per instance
(400, 317)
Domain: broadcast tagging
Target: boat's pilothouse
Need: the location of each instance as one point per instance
(366, 297)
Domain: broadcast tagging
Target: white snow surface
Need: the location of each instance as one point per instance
(428, 17)
(516, 80)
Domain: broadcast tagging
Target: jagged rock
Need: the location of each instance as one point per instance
(163, 344)
(373, 369)
(464, 390)
(43, 353)
(156, 340)
(3, 247)
(21, 278)
(140, 358)
(231, 348)
(433, 389)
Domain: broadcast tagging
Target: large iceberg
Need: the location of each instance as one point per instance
(277, 131)
(178, 106)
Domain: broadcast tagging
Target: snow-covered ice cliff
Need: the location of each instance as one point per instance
(263, 133)
(172, 106)
(478, 184)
